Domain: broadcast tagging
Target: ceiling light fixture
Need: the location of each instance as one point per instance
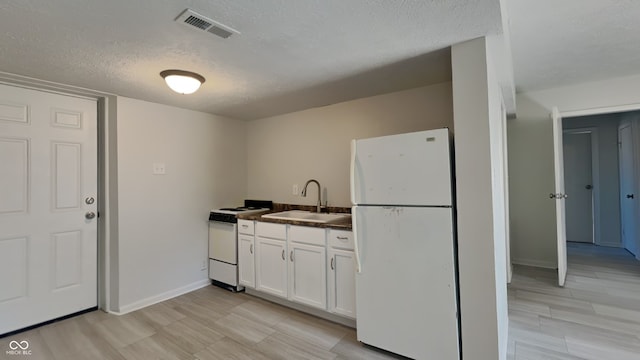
(182, 82)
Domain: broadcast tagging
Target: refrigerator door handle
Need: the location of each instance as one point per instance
(352, 173)
(354, 228)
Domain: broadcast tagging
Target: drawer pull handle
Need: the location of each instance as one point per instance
(342, 238)
(245, 226)
(283, 254)
(332, 263)
(291, 255)
(251, 248)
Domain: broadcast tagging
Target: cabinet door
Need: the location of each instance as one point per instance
(246, 264)
(271, 266)
(308, 275)
(342, 282)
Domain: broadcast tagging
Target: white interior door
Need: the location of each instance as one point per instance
(578, 183)
(559, 196)
(48, 187)
(627, 192)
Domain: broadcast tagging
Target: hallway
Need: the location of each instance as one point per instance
(595, 316)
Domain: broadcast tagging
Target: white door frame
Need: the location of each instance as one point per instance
(600, 110)
(587, 112)
(107, 181)
(595, 176)
(505, 164)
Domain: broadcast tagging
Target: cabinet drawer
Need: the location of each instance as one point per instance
(246, 227)
(270, 230)
(340, 239)
(307, 235)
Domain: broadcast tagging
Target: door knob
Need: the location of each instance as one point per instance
(629, 196)
(588, 187)
(90, 215)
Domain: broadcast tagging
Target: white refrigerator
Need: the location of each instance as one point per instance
(403, 224)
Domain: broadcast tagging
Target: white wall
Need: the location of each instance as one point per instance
(108, 204)
(478, 125)
(533, 237)
(608, 191)
(315, 143)
(497, 140)
(163, 219)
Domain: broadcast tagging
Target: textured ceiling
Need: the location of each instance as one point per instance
(290, 55)
(557, 43)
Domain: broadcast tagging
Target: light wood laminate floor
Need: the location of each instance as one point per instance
(595, 316)
(207, 324)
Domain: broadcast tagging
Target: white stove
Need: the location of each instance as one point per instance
(230, 213)
(223, 242)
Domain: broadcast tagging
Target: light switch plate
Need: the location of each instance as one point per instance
(294, 189)
(159, 169)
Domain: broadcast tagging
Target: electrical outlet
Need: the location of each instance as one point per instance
(159, 169)
(294, 190)
(203, 266)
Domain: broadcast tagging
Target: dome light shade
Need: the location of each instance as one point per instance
(182, 82)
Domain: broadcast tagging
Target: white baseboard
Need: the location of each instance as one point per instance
(510, 273)
(613, 244)
(307, 309)
(161, 297)
(535, 263)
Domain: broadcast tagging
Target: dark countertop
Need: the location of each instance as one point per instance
(343, 225)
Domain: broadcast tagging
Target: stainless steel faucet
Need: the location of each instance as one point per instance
(304, 193)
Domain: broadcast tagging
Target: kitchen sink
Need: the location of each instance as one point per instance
(300, 215)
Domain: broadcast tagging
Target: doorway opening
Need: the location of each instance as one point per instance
(600, 172)
(580, 151)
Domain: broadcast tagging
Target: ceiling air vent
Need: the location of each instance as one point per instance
(193, 19)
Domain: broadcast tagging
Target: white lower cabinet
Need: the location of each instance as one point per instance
(342, 273)
(307, 265)
(308, 275)
(246, 261)
(271, 266)
(342, 282)
(271, 258)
